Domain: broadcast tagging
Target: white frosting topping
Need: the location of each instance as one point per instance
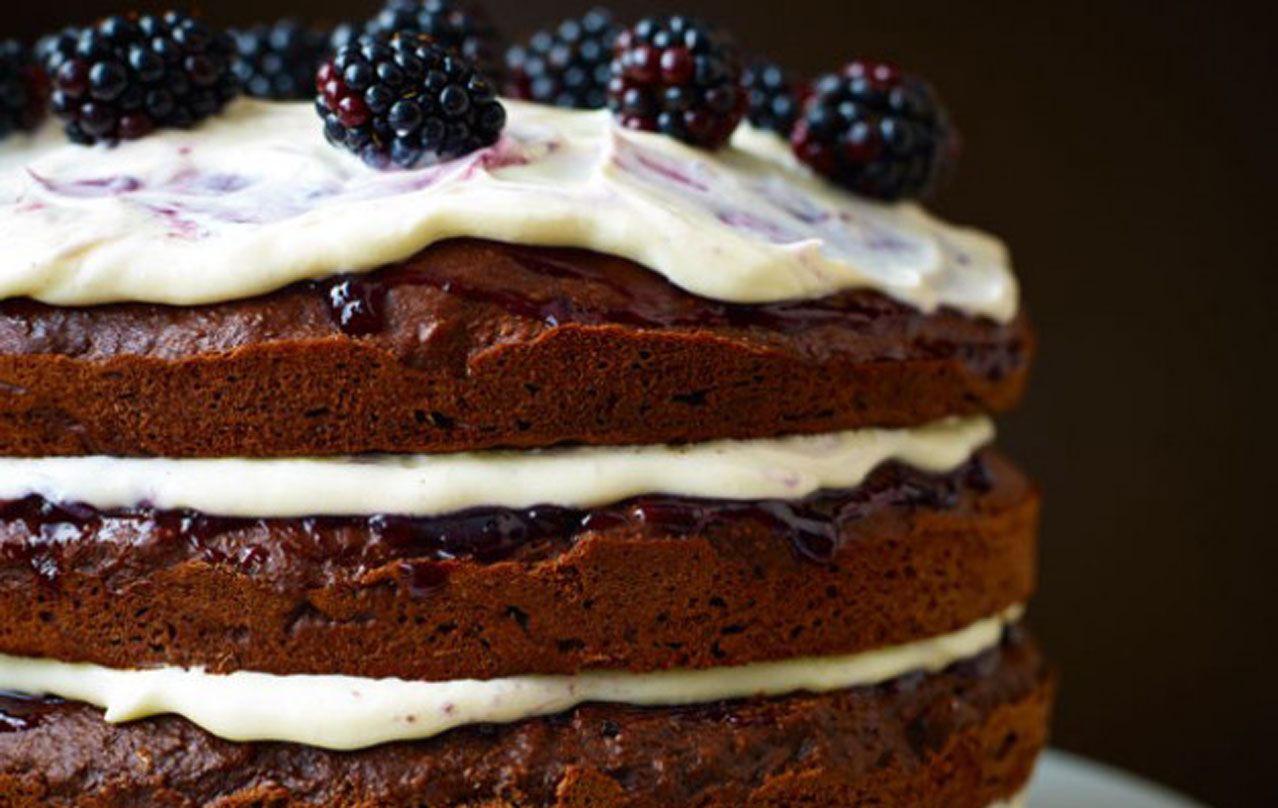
(582, 476)
(346, 712)
(255, 199)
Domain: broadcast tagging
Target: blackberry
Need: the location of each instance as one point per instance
(679, 76)
(279, 61)
(130, 74)
(24, 89)
(406, 102)
(875, 130)
(459, 25)
(568, 66)
(774, 96)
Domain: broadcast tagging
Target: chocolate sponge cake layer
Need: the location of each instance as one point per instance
(649, 584)
(963, 738)
(474, 344)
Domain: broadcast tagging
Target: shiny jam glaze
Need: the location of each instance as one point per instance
(19, 713)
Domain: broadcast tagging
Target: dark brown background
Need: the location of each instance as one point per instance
(1126, 152)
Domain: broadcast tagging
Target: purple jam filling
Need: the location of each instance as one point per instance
(815, 528)
(19, 713)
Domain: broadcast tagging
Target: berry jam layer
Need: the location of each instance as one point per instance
(649, 584)
(963, 738)
(473, 345)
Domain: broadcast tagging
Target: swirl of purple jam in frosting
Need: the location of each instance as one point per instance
(255, 199)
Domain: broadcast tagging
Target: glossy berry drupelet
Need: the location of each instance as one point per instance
(774, 96)
(568, 66)
(344, 34)
(279, 61)
(875, 130)
(406, 102)
(459, 25)
(128, 75)
(679, 76)
(24, 89)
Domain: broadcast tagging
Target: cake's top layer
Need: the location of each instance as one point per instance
(255, 199)
(473, 345)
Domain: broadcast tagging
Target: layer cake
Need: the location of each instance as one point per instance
(554, 464)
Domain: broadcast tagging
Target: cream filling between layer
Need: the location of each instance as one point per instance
(422, 485)
(255, 199)
(346, 712)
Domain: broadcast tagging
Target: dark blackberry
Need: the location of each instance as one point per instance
(279, 61)
(568, 66)
(774, 96)
(456, 24)
(875, 130)
(130, 74)
(407, 102)
(679, 76)
(24, 89)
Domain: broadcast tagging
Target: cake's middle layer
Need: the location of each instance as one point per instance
(652, 583)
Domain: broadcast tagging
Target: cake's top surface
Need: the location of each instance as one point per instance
(255, 199)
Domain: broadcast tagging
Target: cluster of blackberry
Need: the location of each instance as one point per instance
(875, 130)
(407, 101)
(415, 84)
(679, 76)
(870, 127)
(131, 74)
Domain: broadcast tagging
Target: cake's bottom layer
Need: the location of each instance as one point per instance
(963, 738)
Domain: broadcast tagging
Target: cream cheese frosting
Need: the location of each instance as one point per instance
(346, 712)
(422, 485)
(255, 199)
